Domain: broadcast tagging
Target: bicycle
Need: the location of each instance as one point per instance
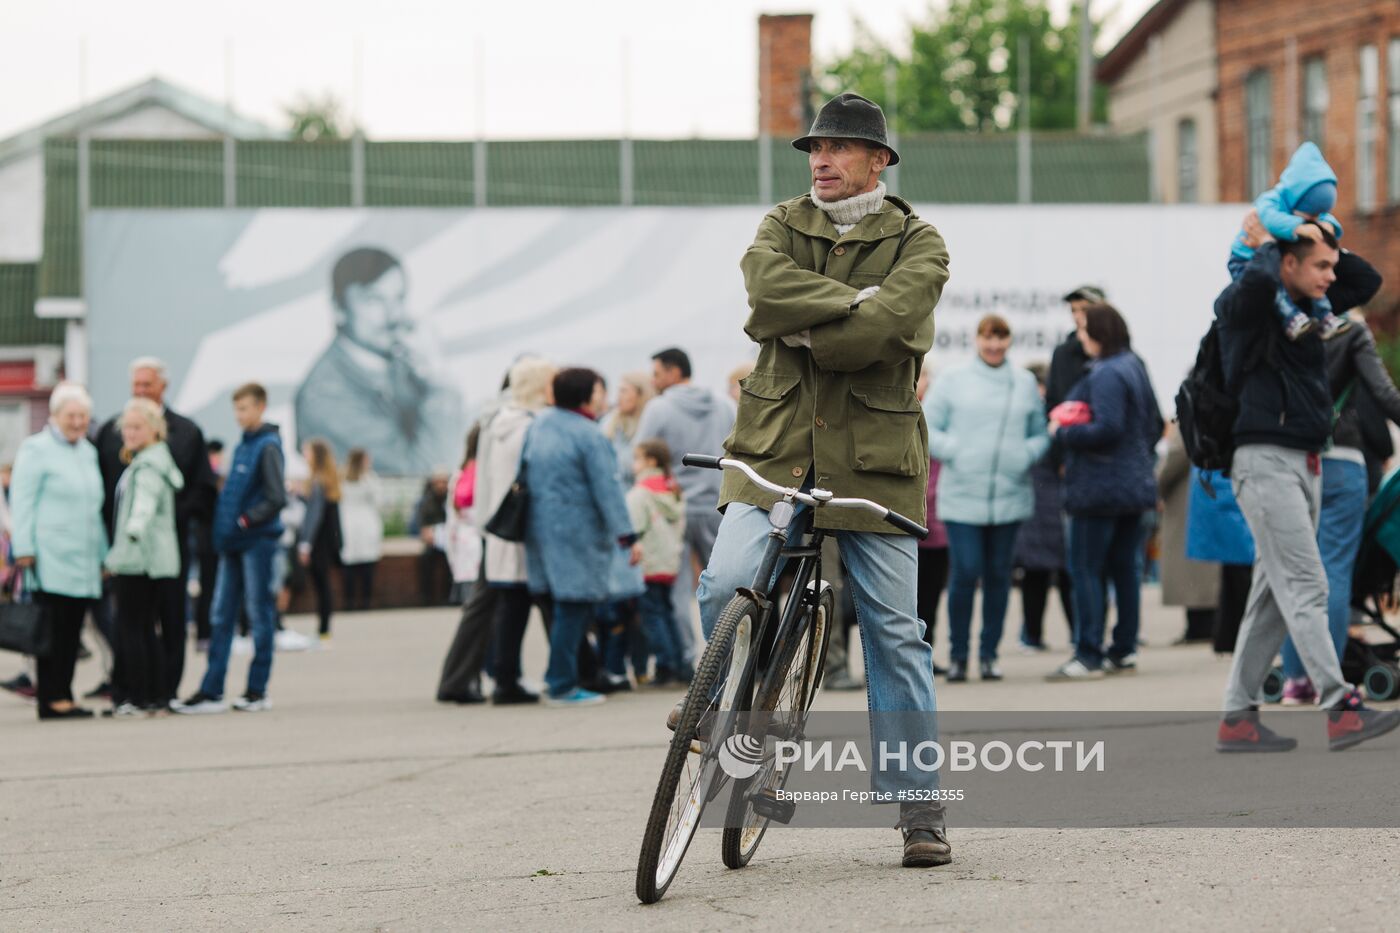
(756, 681)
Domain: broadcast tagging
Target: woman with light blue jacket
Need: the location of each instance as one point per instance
(56, 497)
(987, 425)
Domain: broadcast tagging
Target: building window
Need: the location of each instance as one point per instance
(1369, 89)
(1393, 88)
(1314, 100)
(1186, 162)
(1259, 120)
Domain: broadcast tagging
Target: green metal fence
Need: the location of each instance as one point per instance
(943, 168)
(18, 325)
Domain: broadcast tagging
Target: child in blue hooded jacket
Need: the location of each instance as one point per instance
(1306, 191)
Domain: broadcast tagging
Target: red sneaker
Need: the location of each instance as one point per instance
(1243, 732)
(1352, 722)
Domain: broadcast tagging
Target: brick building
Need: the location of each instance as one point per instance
(1161, 79)
(1291, 71)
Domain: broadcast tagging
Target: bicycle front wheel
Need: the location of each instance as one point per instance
(691, 776)
(780, 711)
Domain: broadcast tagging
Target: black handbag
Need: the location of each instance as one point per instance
(24, 628)
(512, 516)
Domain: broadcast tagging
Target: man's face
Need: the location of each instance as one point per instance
(1076, 310)
(663, 376)
(375, 315)
(248, 412)
(148, 384)
(844, 168)
(1309, 274)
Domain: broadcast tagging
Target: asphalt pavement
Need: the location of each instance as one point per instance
(359, 803)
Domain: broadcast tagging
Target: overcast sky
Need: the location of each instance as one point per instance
(431, 69)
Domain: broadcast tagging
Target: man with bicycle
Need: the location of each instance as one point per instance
(842, 283)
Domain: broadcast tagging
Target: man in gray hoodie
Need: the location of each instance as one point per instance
(689, 419)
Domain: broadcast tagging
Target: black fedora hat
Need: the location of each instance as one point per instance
(849, 116)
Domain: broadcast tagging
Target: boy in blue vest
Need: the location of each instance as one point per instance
(246, 531)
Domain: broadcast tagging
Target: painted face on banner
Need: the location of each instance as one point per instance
(377, 319)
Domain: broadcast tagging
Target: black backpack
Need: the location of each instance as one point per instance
(1206, 409)
(1207, 405)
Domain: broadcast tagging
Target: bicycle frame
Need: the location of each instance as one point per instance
(784, 519)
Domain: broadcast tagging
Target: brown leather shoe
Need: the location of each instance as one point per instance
(925, 838)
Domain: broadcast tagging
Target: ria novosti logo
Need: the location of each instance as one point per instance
(741, 756)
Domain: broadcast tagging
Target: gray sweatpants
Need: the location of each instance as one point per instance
(1280, 498)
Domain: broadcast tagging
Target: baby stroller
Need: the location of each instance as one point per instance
(1374, 665)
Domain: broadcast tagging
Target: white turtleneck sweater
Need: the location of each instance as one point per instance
(843, 215)
(847, 213)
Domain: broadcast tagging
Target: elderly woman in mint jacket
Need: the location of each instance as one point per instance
(58, 538)
(1109, 484)
(987, 425)
(577, 519)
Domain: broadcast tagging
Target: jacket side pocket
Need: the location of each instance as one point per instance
(766, 409)
(884, 429)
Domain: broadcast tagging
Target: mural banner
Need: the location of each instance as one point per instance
(390, 328)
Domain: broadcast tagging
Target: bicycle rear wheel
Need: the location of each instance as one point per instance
(691, 776)
(780, 711)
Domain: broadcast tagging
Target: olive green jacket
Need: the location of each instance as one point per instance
(144, 541)
(845, 409)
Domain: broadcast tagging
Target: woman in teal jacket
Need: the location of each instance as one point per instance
(145, 550)
(987, 425)
(58, 539)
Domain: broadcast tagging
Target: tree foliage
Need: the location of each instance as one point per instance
(961, 70)
(314, 119)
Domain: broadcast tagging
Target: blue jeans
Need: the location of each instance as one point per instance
(572, 621)
(659, 623)
(883, 572)
(1338, 539)
(610, 621)
(245, 579)
(985, 553)
(1105, 547)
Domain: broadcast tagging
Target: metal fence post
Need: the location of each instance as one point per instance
(357, 170)
(1023, 135)
(230, 172)
(625, 170)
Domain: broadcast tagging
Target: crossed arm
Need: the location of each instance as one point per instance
(893, 324)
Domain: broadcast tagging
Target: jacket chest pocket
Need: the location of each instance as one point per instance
(884, 427)
(767, 405)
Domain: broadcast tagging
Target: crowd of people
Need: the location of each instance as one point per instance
(1037, 480)
(137, 528)
(615, 528)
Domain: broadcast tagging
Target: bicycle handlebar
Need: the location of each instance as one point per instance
(906, 525)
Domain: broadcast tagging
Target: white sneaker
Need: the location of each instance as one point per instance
(242, 645)
(292, 640)
(1074, 669)
(252, 703)
(127, 711)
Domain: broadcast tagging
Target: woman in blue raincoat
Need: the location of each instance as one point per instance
(577, 521)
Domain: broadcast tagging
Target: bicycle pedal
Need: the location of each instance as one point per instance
(767, 805)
